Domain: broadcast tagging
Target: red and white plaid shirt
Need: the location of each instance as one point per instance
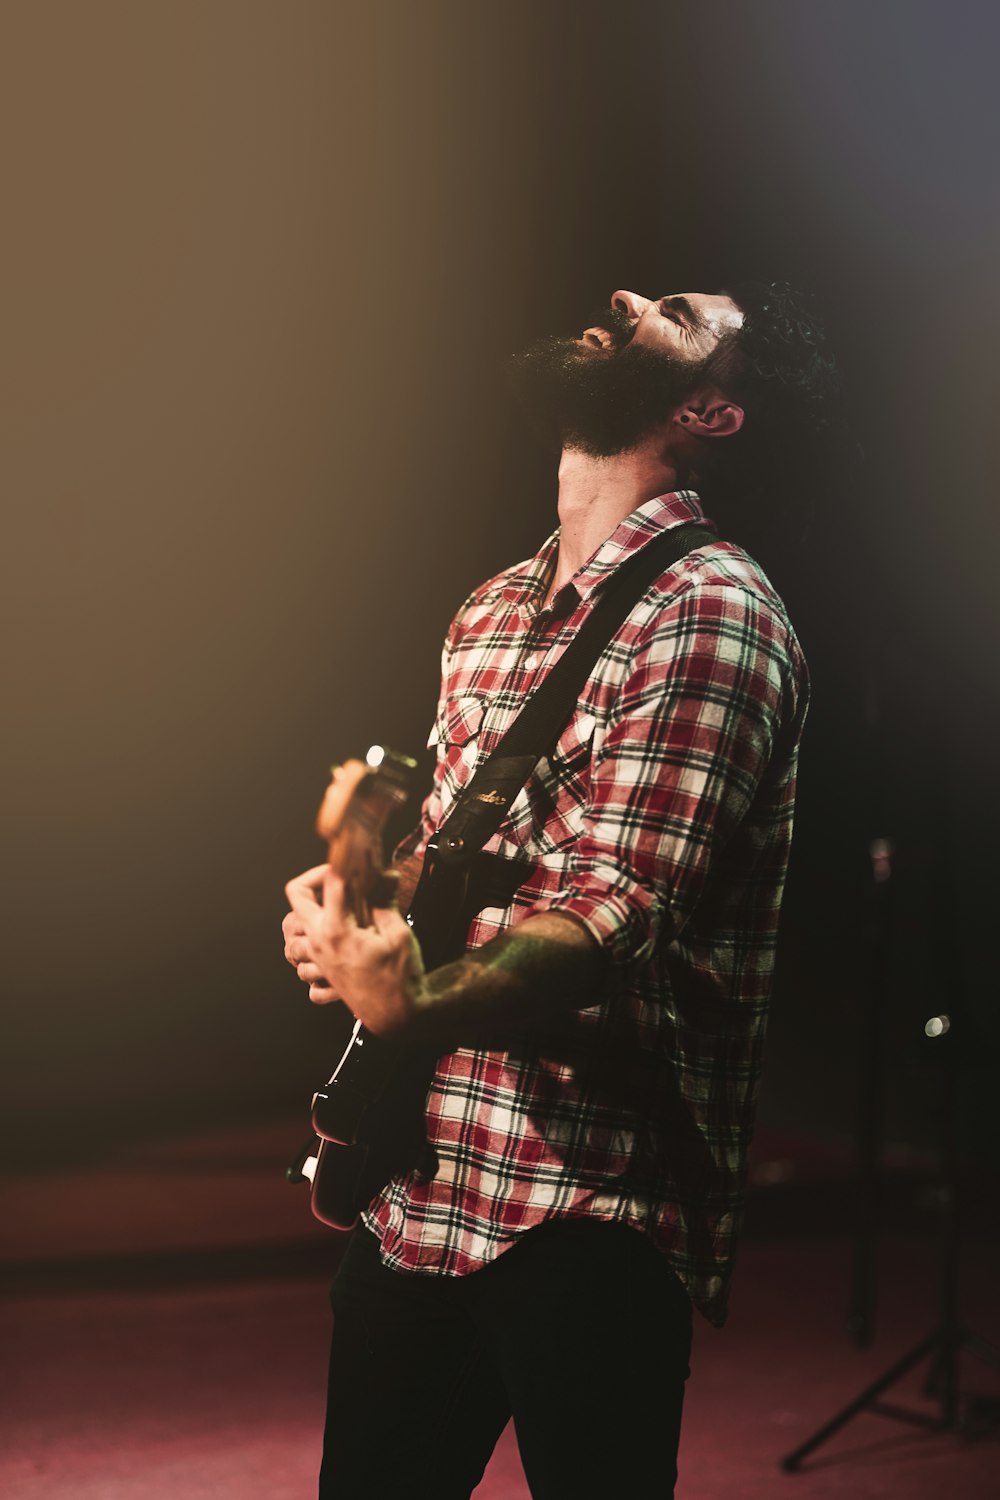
(662, 821)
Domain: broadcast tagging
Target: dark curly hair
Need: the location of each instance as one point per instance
(780, 369)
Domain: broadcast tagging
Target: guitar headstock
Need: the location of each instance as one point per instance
(355, 809)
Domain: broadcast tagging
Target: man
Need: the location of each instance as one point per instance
(601, 1040)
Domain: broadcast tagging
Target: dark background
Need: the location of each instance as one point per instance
(262, 266)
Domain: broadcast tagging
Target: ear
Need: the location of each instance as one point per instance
(710, 414)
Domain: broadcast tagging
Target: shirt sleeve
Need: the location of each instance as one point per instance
(686, 748)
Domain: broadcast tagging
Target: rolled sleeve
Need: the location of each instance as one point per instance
(686, 749)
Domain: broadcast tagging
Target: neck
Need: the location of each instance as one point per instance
(595, 496)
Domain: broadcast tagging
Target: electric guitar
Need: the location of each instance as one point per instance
(368, 1117)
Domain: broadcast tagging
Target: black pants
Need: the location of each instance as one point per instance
(580, 1331)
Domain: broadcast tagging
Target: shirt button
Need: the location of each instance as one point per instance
(531, 663)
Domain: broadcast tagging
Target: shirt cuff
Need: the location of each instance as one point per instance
(624, 919)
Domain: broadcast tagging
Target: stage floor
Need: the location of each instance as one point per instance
(192, 1371)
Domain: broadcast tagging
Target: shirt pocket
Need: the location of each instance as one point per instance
(457, 734)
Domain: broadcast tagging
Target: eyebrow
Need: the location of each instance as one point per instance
(682, 305)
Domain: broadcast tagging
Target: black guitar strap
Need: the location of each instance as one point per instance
(482, 806)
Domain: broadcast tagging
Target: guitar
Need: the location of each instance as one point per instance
(368, 1117)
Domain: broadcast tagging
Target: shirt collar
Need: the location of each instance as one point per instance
(527, 588)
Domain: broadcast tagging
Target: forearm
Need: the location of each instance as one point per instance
(517, 981)
(514, 984)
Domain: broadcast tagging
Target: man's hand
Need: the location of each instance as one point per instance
(298, 952)
(377, 970)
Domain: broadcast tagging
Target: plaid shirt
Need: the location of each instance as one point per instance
(662, 821)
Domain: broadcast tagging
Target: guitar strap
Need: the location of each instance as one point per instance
(482, 806)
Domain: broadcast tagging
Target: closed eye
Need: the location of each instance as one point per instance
(680, 311)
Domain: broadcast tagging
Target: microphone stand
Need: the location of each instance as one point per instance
(945, 1342)
(862, 1303)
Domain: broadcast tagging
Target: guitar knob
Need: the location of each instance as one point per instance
(455, 844)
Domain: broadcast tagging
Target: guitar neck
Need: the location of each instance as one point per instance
(361, 797)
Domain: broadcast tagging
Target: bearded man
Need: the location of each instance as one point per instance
(600, 1042)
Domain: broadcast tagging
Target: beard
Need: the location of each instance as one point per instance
(602, 402)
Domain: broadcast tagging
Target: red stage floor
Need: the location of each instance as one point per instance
(191, 1370)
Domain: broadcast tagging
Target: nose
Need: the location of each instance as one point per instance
(631, 304)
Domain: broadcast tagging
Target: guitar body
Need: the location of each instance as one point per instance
(368, 1117)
